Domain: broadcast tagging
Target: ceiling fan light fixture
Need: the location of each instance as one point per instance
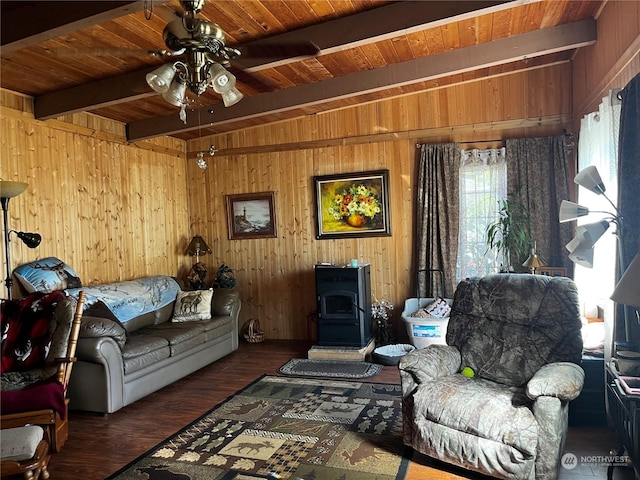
(232, 97)
(160, 79)
(221, 80)
(224, 83)
(176, 93)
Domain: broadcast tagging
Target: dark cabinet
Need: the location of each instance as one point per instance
(589, 408)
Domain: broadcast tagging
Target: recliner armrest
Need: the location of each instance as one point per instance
(427, 364)
(563, 380)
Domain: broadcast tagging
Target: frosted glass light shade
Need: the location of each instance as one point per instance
(589, 178)
(232, 97)
(160, 79)
(9, 189)
(221, 80)
(176, 93)
(627, 291)
(570, 211)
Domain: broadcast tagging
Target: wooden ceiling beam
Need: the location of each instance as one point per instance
(332, 36)
(375, 25)
(497, 52)
(26, 23)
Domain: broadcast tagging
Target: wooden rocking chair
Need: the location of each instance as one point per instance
(54, 421)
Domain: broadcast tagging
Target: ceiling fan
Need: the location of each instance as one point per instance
(202, 55)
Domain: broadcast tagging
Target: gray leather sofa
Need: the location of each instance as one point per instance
(118, 364)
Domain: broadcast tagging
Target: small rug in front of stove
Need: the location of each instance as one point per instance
(302, 367)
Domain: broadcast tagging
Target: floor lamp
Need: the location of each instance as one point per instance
(8, 190)
(581, 246)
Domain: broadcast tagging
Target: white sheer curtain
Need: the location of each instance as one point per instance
(598, 145)
(483, 182)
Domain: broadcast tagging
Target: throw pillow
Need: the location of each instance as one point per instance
(192, 305)
(47, 275)
(27, 328)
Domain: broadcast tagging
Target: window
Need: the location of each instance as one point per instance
(598, 145)
(483, 183)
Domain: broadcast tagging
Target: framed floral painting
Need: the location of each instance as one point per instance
(353, 205)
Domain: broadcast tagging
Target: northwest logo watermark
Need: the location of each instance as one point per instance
(571, 461)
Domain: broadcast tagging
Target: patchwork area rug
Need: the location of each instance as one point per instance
(284, 428)
(329, 368)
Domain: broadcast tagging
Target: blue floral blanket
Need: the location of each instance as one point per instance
(127, 300)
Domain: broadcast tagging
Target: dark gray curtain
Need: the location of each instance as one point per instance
(537, 175)
(437, 218)
(628, 182)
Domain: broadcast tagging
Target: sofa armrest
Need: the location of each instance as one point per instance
(563, 380)
(224, 302)
(421, 366)
(102, 350)
(97, 327)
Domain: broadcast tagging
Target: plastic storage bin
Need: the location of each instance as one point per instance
(423, 332)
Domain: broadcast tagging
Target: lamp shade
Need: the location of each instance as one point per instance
(587, 235)
(582, 256)
(175, 95)
(570, 211)
(160, 79)
(221, 80)
(31, 240)
(627, 291)
(10, 189)
(231, 97)
(197, 247)
(589, 178)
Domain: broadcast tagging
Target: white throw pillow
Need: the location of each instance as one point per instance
(192, 305)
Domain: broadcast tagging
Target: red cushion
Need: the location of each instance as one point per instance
(26, 330)
(39, 396)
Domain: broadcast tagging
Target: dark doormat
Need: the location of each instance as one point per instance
(329, 368)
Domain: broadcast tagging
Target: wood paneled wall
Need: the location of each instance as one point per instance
(612, 61)
(276, 275)
(112, 211)
(116, 211)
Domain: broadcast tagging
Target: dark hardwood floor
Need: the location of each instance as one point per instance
(99, 445)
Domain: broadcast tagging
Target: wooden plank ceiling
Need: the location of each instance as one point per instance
(90, 56)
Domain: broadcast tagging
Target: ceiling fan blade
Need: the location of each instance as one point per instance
(250, 80)
(280, 50)
(107, 52)
(110, 52)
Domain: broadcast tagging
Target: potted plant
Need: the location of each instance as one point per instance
(510, 234)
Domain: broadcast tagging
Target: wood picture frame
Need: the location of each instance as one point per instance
(552, 271)
(251, 215)
(352, 205)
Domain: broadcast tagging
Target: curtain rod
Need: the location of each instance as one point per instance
(503, 140)
(418, 145)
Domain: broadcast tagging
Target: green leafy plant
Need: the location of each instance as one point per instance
(510, 234)
(225, 277)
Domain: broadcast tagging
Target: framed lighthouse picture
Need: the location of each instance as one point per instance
(251, 215)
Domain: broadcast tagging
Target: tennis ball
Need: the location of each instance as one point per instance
(468, 372)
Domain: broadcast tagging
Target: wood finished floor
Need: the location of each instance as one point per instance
(100, 445)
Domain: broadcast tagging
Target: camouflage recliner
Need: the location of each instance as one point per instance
(519, 337)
